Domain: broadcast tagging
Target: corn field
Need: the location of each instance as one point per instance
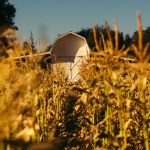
(108, 108)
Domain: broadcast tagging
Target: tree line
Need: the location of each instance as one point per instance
(124, 40)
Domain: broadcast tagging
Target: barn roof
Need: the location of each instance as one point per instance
(68, 33)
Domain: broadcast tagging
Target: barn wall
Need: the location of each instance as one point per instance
(71, 68)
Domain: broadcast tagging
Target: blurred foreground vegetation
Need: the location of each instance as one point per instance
(108, 108)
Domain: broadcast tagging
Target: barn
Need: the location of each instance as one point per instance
(70, 51)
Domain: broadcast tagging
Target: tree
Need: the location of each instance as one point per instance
(145, 40)
(7, 13)
(7, 26)
(32, 42)
(127, 40)
(100, 30)
(146, 36)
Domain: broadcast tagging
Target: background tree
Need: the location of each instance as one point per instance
(32, 42)
(7, 13)
(127, 40)
(7, 27)
(124, 41)
(146, 38)
(100, 30)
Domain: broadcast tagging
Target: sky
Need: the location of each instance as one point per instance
(50, 18)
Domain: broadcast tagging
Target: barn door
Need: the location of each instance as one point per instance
(70, 64)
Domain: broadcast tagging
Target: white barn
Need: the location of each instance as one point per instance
(70, 50)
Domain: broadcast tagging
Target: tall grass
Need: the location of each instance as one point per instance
(117, 96)
(108, 108)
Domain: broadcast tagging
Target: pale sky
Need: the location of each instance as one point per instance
(53, 17)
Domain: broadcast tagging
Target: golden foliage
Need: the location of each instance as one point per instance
(108, 108)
